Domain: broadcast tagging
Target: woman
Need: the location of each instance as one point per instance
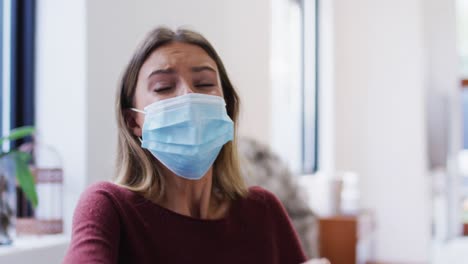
(178, 196)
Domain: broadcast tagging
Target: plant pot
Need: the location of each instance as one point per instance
(7, 200)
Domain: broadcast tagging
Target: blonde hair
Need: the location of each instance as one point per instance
(137, 169)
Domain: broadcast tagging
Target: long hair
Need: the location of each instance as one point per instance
(137, 168)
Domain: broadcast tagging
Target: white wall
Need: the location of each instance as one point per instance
(380, 118)
(61, 90)
(444, 109)
(327, 98)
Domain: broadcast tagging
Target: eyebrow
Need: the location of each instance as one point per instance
(162, 71)
(202, 68)
(172, 71)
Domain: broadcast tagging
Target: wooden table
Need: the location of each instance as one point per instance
(347, 239)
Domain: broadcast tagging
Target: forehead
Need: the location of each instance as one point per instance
(175, 55)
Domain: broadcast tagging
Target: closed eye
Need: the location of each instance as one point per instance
(162, 89)
(201, 85)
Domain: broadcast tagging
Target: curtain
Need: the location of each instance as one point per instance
(22, 77)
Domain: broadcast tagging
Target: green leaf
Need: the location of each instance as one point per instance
(25, 177)
(18, 133)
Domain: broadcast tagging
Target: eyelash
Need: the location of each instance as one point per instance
(162, 89)
(204, 85)
(167, 88)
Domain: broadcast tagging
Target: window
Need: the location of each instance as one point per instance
(22, 63)
(4, 69)
(17, 73)
(462, 28)
(294, 83)
(17, 64)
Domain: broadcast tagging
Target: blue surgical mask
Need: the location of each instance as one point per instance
(186, 133)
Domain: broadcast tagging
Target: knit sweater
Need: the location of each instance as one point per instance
(114, 225)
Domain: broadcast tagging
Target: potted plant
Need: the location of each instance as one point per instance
(14, 162)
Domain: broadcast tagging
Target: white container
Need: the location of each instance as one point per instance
(332, 193)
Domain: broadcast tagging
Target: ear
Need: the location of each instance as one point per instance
(133, 121)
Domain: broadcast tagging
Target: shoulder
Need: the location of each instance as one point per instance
(262, 197)
(258, 193)
(103, 186)
(100, 200)
(97, 192)
(96, 225)
(106, 189)
(277, 221)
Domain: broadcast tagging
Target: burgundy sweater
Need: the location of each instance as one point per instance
(114, 225)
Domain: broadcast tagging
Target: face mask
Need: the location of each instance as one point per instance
(186, 133)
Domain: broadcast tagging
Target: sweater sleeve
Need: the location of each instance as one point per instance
(96, 228)
(288, 245)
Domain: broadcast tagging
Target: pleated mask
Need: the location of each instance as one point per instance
(186, 133)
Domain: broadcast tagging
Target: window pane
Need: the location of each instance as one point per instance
(465, 117)
(462, 27)
(309, 86)
(293, 80)
(1, 69)
(286, 81)
(5, 38)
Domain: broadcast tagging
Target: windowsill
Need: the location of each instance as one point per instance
(41, 249)
(452, 251)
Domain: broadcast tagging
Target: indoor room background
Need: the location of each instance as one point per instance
(369, 88)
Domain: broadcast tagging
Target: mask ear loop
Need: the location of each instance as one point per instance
(138, 110)
(142, 112)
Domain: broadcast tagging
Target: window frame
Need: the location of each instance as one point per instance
(295, 84)
(17, 86)
(310, 86)
(1, 71)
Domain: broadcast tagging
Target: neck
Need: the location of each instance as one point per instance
(190, 197)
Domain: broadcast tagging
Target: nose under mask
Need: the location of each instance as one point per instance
(186, 133)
